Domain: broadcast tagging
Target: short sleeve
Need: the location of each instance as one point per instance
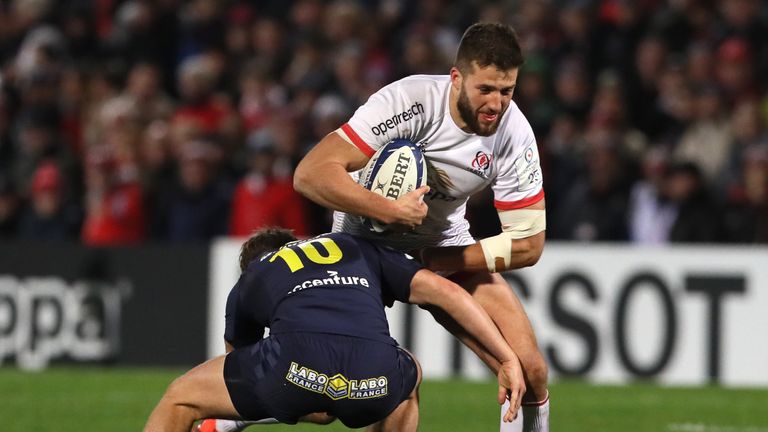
(519, 182)
(396, 111)
(398, 269)
(395, 270)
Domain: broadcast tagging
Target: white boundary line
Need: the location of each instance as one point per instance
(703, 427)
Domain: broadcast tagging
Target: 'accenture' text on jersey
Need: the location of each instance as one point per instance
(390, 123)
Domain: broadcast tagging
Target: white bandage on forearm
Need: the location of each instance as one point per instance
(497, 248)
(515, 224)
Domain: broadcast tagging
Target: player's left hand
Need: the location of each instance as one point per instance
(511, 386)
(410, 209)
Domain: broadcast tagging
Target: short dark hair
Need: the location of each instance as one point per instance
(264, 240)
(489, 44)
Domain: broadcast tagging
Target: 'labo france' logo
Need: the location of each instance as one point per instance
(337, 386)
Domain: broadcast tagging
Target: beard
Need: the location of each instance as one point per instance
(469, 116)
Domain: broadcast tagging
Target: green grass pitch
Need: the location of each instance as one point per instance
(95, 399)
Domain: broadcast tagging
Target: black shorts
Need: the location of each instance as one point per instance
(288, 376)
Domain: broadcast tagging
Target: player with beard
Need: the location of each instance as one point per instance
(473, 135)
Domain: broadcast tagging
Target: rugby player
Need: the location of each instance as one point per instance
(329, 353)
(473, 135)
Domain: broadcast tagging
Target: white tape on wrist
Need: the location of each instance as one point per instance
(497, 247)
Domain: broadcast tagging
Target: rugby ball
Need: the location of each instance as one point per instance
(394, 170)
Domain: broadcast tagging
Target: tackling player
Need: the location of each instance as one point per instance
(329, 353)
(473, 135)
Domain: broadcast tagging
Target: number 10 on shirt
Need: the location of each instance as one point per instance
(289, 255)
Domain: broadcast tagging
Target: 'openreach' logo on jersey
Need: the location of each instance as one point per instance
(338, 386)
(333, 279)
(390, 123)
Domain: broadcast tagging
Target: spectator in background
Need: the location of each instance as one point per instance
(747, 131)
(158, 167)
(572, 89)
(643, 85)
(201, 27)
(674, 103)
(7, 146)
(260, 96)
(744, 19)
(71, 101)
(197, 206)
(38, 140)
(351, 13)
(746, 219)
(735, 71)
(707, 140)
(109, 70)
(308, 67)
(115, 213)
(564, 156)
(269, 42)
(651, 213)
(237, 43)
(9, 209)
(101, 91)
(348, 78)
(306, 15)
(596, 207)
(610, 111)
(265, 196)
(201, 107)
(141, 31)
(620, 27)
(420, 56)
(700, 65)
(39, 62)
(143, 93)
(578, 36)
(533, 94)
(78, 26)
(699, 217)
(49, 216)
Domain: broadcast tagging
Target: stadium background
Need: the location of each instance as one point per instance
(139, 140)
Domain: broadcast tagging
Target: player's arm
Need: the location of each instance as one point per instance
(427, 288)
(323, 177)
(519, 245)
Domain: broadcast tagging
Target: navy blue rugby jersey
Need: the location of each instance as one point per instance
(334, 283)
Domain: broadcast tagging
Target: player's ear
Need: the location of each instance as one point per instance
(456, 78)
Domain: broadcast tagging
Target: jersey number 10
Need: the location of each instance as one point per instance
(289, 255)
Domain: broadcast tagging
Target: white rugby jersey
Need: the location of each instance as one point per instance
(459, 163)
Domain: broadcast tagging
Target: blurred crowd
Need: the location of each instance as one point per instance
(130, 121)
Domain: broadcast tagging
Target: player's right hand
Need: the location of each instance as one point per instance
(410, 209)
(511, 386)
